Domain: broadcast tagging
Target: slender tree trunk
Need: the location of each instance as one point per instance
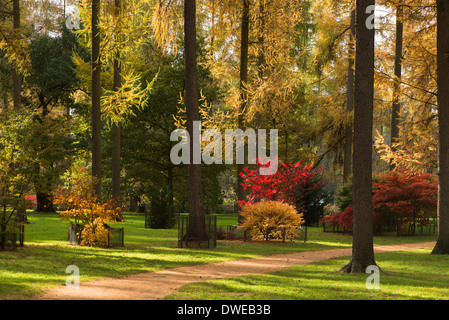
(349, 102)
(170, 194)
(197, 223)
(3, 232)
(261, 59)
(96, 95)
(116, 128)
(243, 94)
(396, 107)
(17, 90)
(442, 245)
(362, 246)
(15, 73)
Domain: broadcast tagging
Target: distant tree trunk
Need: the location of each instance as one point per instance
(17, 89)
(362, 246)
(132, 204)
(261, 62)
(170, 193)
(442, 245)
(116, 128)
(396, 108)
(96, 96)
(44, 197)
(17, 100)
(349, 102)
(44, 202)
(243, 94)
(197, 223)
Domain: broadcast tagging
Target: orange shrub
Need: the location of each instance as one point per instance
(270, 219)
(84, 209)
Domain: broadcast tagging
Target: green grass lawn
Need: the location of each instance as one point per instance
(42, 262)
(406, 275)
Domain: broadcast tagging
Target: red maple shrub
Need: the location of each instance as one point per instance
(280, 186)
(406, 197)
(400, 198)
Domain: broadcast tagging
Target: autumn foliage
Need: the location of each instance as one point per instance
(271, 220)
(85, 210)
(282, 185)
(407, 197)
(400, 198)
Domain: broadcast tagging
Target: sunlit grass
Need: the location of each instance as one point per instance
(405, 275)
(47, 253)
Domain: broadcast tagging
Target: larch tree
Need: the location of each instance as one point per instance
(116, 126)
(197, 223)
(442, 244)
(396, 107)
(113, 37)
(15, 73)
(410, 77)
(16, 83)
(362, 245)
(334, 68)
(349, 101)
(244, 49)
(96, 96)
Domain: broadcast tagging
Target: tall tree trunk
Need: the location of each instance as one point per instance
(362, 246)
(261, 60)
(96, 96)
(396, 107)
(442, 245)
(17, 89)
(170, 194)
(197, 223)
(15, 73)
(116, 128)
(243, 93)
(349, 102)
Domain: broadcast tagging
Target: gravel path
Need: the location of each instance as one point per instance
(157, 285)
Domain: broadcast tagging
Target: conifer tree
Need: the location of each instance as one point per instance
(362, 245)
(442, 245)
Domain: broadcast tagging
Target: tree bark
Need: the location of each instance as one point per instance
(244, 48)
(116, 127)
(17, 90)
(362, 246)
(17, 100)
(396, 107)
(442, 244)
(197, 223)
(96, 96)
(170, 194)
(349, 102)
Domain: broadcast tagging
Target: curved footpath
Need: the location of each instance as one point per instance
(157, 285)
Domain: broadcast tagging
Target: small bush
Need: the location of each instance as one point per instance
(86, 211)
(269, 220)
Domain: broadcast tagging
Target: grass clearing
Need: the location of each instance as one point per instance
(42, 262)
(407, 275)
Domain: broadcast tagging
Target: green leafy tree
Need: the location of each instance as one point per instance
(51, 83)
(16, 167)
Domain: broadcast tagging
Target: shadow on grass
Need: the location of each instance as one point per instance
(47, 254)
(408, 275)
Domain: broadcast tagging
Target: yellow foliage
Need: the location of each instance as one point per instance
(86, 210)
(270, 219)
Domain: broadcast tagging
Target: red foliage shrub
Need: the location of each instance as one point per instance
(408, 195)
(399, 195)
(281, 185)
